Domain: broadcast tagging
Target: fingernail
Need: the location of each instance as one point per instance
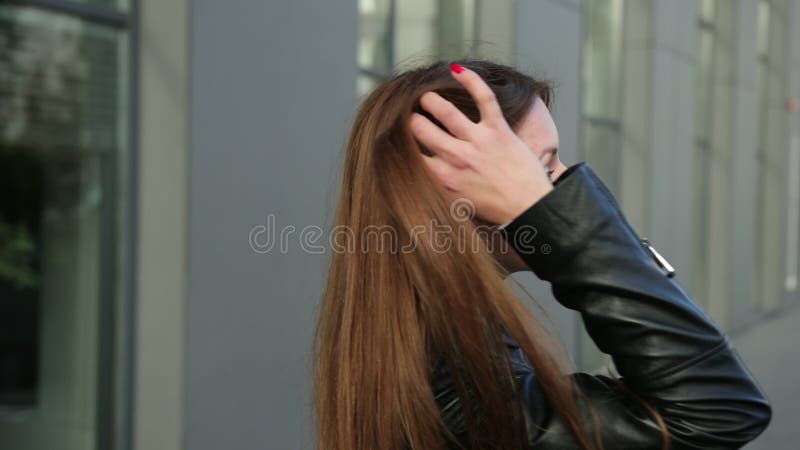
(457, 68)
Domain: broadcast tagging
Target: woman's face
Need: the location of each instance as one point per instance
(539, 132)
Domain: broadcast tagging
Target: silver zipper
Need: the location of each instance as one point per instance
(662, 262)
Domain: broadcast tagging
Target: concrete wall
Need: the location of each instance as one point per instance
(159, 376)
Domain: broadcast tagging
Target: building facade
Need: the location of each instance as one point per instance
(146, 145)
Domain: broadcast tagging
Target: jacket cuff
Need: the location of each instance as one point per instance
(558, 225)
(555, 183)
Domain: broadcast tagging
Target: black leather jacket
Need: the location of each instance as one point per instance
(666, 349)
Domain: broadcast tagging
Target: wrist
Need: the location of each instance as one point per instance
(523, 202)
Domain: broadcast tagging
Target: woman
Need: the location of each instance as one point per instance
(422, 345)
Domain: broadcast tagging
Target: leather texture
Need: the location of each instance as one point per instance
(665, 347)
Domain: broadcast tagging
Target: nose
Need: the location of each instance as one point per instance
(558, 170)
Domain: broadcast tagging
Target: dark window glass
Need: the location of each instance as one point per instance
(63, 115)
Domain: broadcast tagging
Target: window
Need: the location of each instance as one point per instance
(375, 42)
(410, 32)
(602, 88)
(64, 112)
(601, 120)
(712, 166)
(704, 95)
(770, 163)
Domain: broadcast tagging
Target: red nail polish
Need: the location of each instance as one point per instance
(457, 68)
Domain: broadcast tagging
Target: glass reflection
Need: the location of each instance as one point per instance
(61, 143)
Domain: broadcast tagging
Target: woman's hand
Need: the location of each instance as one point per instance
(484, 162)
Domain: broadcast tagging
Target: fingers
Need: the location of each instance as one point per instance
(449, 148)
(445, 112)
(441, 171)
(481, 92)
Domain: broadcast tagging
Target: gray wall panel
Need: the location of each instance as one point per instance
(273, 91)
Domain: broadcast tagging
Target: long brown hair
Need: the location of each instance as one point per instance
(396, 301)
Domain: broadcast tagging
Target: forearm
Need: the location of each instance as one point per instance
(666, 348)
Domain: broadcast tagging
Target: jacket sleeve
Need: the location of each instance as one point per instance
(666, 348)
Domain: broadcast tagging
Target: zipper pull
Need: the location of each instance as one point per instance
(662, 262)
